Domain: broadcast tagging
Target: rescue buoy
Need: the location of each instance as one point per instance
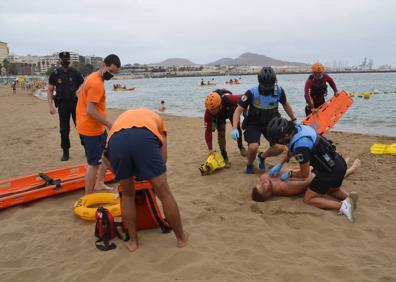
(87, 205)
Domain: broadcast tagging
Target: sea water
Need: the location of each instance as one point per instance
(185, 97)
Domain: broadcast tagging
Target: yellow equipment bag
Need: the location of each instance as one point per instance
(214, 162)
(383, 149)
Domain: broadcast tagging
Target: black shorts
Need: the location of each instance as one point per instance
(324, 181)
(253, 132)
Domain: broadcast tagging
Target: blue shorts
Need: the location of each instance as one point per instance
(135, 152)
(94, 146)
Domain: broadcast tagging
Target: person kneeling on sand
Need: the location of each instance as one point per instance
(136, 147)
(272, 185)
(310, 148)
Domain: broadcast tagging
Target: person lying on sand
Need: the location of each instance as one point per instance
(268, 186)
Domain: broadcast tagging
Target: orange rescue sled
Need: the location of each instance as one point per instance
(329, 113)
(148, 214)
(41, 185)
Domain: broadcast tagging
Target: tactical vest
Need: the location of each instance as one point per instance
(263, 107)
(323, 150)
(319, 86)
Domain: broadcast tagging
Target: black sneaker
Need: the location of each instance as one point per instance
(65, 156)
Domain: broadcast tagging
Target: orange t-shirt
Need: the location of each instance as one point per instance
(139, 118)
(93, 91)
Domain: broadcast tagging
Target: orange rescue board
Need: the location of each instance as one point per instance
(41, 185)
(329, 113)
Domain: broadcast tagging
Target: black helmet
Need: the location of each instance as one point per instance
(276, 129)
(267, 78)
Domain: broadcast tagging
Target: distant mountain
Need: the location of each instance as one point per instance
(174, 62)
(251, 59)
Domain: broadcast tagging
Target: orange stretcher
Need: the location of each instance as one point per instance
(329, 113)
(41, 185)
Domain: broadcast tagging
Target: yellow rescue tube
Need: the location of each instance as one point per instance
(83, 207)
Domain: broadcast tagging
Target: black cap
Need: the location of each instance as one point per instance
(64, 55)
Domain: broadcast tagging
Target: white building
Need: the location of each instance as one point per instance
(4, 51)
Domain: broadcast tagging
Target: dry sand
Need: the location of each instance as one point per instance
(231, 237)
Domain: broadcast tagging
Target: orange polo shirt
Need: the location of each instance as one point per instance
(93, 91)
(140, 118)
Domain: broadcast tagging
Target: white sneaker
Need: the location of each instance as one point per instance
(346, 209)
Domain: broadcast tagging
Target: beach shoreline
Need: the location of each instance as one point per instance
(231, 237)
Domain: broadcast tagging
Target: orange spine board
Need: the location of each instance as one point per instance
(329, 113)
(29, 188)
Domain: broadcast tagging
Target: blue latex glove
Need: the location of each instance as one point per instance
(274, 171)
(285, 176)
(235, 134)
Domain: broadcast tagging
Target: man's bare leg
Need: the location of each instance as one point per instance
(90, 178)
(171, 210)
(353, 168)
(100, 184)
(274, 150)
(252, 152)
(317, 200)
(338, 193)
(128, 211)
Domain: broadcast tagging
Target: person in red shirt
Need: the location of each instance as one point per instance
(220, 106)
(316, 88)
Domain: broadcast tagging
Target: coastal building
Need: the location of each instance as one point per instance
(4, 51)
(93, 60)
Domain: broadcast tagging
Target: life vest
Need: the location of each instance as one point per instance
(323, 150)
(319, 86)
(263, 107)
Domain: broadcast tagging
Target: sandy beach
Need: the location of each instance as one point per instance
(231, 237)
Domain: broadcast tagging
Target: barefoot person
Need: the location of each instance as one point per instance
(92, 121)
(309, 148)
(272, 185)
(137, 147)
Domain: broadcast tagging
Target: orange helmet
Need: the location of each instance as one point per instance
(212, 101)
(318, 67)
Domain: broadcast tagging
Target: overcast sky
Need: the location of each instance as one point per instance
(149, 31)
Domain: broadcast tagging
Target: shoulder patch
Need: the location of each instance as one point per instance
(244, 98)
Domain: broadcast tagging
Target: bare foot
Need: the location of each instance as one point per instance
(131, 245)
(102, 187)
(183, 241)
(353, 168)
(356, 164)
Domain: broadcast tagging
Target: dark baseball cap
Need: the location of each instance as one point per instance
(64, 55)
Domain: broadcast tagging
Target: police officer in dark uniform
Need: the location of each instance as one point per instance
(261, 104)
(312, 149)
(66, 81)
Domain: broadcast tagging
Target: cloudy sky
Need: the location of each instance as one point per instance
(148, 31)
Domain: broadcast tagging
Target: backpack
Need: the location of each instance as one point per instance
(105, 230)
(148, 214)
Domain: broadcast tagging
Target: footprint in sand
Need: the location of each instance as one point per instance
(178, 261)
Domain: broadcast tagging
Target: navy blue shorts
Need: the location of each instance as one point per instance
(135, 152)
(94, 146)
(254, 131)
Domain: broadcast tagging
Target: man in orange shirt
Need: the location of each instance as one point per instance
(137, 147)
(92, 121)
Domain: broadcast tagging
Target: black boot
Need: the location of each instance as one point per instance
(65, 156)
